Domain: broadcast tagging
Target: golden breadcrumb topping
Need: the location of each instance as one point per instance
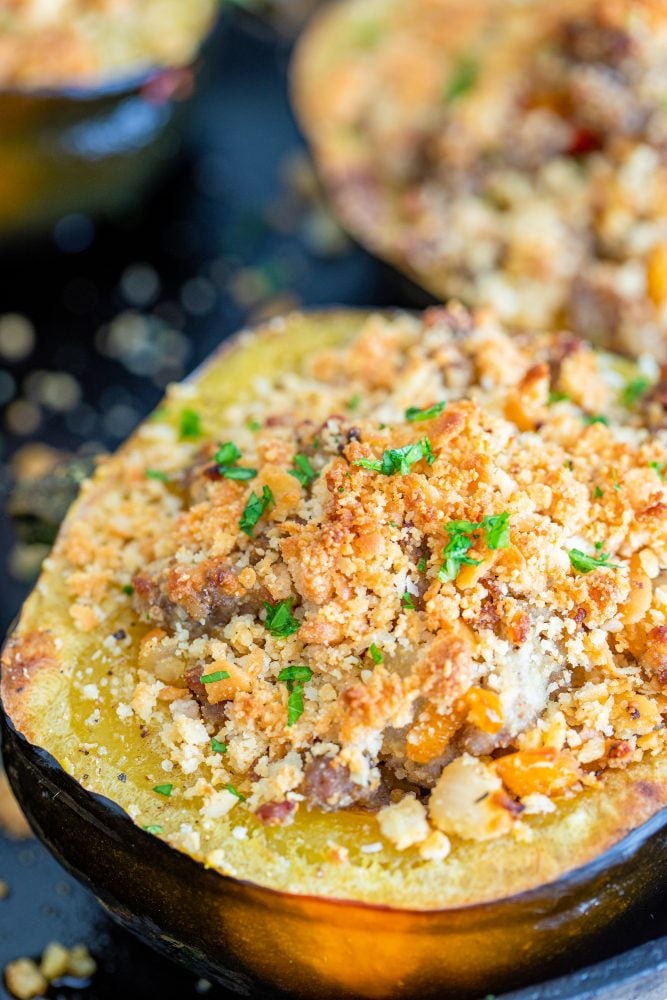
(51, 43)
(423, 576)
(506, 153)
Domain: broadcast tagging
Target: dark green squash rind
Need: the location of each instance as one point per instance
(200, 917)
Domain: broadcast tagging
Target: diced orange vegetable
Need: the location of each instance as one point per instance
(656, 274)
(546, 771)
(485, 710)
(431, 734)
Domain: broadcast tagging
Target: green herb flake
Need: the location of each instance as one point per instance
(660, 470)
(254, 425)
(414, 415)
(462, 80)
(190, 425)
(254, 508)
(400, 460)
(455, 552)
(217, 675)
(496, 528)
(230, 788)
(634, 390)
(226, 458)
(128, 589)
(295, 677)
(376, 655)
(161, 477)
(354, 402)
(558, 397)
(421, 565)
(408, 602)
(303, 470)
(227, 454)
(585, 563)
(597, 493)
(165, 790)
(152, 828)
(595, 418)
(614, 480)
(217, 746)
(296, 673)
(279, 619)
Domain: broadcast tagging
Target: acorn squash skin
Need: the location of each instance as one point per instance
(263, 942)
(252, 940)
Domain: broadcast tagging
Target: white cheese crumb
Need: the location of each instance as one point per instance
(404, 823)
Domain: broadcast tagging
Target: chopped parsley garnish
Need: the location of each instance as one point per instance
(354, 402)
(190, 424)
(414, 415)
(400, 459)
(376, 655)
(280, 621)
(595, 418)
(227, 454)
(597, 493)
(614, 480)
(496, 529)
(237, 472)
(217, 675)
(421, 565)
(584, 563)
(303, 470)
(152, 828)
(295, 677)
(217, 746)
(408, 601)
(558, 397)
(230, 788)
(634, 390)
(254, 425)
(161, 477)
(254, 509)
(128, 589)
(462, 80)
(660, 470)
(165, 790)
(226, 458)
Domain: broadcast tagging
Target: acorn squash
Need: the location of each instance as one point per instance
(505, 155)
(325, 906)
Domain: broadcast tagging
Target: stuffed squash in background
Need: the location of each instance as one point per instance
(88, 96)
(507, 153)
(347, 675)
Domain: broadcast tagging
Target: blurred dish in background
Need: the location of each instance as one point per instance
(504, 153)
(88, 97)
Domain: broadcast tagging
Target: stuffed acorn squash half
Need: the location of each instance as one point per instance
(347, 674)
(507, 153)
